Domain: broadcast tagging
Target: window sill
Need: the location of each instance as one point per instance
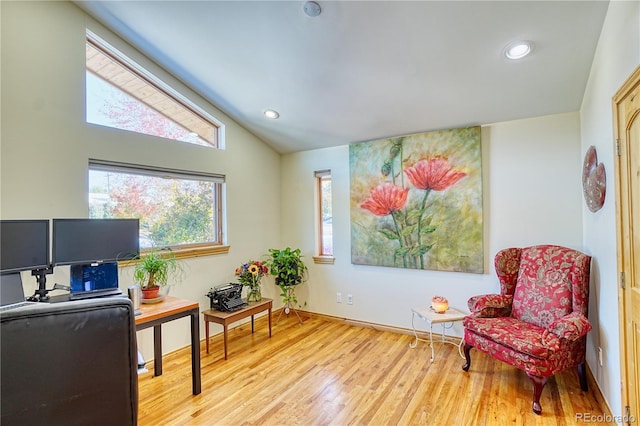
(324, 260)
(187, 252)
(207, 250)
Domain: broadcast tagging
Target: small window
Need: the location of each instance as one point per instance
(325, 214)
(123, 95)
(177, 209)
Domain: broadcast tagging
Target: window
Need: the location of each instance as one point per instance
(325, 217)
(123, 95)
(177, 209)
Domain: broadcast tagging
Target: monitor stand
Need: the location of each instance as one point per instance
(41, 293)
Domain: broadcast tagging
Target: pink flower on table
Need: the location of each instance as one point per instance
(435, 174)
(385, 199)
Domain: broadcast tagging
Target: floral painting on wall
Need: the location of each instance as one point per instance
(416, 201)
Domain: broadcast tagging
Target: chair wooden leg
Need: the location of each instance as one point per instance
(467, 356)
(582, 375)
(538, 385)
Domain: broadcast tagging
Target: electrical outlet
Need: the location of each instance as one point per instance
(350, 299)
(338, 297)
(600, 356)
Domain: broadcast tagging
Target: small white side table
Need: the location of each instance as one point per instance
(445, 319)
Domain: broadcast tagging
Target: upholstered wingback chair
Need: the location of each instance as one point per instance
(538, 323)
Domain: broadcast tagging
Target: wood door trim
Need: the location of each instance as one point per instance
(623, 215)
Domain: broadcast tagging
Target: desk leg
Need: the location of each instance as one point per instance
(269, 322)
(157, 350)
(251, 324)
(225, 340)
(206, 332)
(195, 354)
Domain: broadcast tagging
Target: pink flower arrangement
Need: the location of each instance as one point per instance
(251, 273)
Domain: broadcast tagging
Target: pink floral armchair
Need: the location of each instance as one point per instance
(538, 323)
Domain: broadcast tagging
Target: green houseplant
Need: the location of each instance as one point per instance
(289, 269)
(154, 270)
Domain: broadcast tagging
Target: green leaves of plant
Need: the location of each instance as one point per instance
(414, 251)
(287, 266)
(420, 249)
(401, 251)
(389, 234)
(408, 230)
(427, 229)
(155, 268)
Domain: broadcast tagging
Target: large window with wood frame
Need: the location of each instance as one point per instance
(177, 209)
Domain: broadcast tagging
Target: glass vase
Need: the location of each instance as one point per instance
(255, 295)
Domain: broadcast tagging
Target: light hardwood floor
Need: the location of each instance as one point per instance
(331, 373)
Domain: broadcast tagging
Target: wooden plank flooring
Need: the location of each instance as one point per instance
(331, 373)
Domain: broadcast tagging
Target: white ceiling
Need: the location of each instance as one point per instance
(365, 70)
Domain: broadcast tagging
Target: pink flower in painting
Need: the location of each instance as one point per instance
(435, 174)
(386, 198)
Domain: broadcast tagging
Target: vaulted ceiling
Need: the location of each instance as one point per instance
(364, 70)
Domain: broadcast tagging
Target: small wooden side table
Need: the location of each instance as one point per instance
(226, 318)
(446, 319)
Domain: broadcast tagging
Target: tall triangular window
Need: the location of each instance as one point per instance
(123, 95)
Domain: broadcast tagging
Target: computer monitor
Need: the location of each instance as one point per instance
(24, 245)
(87, 241)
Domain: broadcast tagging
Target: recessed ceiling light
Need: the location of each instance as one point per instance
(518, 49)
(270, 113)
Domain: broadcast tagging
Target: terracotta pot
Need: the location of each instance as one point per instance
(150, 293)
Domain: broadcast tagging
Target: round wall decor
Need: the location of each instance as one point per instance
(594, 182)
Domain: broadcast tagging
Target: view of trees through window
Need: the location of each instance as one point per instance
(109, 106)
(123, 95)
(174, 207)
(326, 215)
(171, 211)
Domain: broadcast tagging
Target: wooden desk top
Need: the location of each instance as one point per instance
(253, 307)
(169, 306)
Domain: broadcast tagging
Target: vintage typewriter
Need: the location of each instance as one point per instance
(226, 297)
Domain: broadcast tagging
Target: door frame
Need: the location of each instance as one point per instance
(623, 251)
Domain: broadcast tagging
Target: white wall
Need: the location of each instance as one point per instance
(617, 55)
(45, 146)
(532, 190)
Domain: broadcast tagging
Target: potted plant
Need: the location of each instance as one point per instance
(289, 269)
(154, 270)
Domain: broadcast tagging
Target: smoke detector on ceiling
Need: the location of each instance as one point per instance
(312, 9)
